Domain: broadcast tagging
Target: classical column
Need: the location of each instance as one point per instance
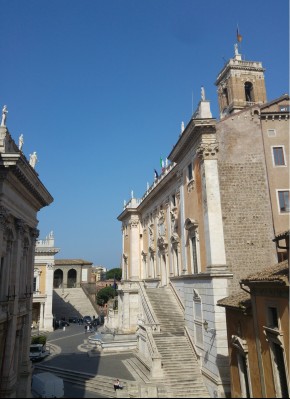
(48, 318)
(213, 224)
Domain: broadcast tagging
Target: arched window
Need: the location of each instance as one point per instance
(249, 92)
(226, 96)
(71, 278)
(58, 278)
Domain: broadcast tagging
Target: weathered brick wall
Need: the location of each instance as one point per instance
(247, 217)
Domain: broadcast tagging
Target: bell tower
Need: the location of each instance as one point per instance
(240, 84)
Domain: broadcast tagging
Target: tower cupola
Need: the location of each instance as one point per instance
(240, 84)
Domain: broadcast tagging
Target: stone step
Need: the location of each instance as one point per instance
(180, 366)
(99, 384)
(137, 369)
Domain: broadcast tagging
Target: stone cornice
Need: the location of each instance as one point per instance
(46, 251)
(17, 169)
(191, 135)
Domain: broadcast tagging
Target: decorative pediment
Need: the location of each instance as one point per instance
(239, 344)
(190, 224)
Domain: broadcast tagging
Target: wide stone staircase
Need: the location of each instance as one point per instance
(99, 384)
(183, 378)
(69, 302)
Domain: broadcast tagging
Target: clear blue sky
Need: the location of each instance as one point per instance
(99, 90)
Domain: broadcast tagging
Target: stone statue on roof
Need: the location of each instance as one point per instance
(33, 159)
(4, 115)
(202, 94)
(21, 141)
(236, 49)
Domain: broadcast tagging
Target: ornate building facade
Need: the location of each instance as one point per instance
(45, 252)
(22, 196)
(209, 218)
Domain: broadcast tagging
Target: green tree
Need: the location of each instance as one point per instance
(114, 273)
(104, 295)
(40, 339)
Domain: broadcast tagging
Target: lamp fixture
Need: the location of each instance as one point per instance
(205, 326)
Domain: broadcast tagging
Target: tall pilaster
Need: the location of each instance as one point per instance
(213, 224)
(134, 259)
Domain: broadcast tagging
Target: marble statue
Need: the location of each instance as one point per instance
(4, 115)
(33, 159)
(182, 126)
(202, 94)
(236, 49)
(21, 141)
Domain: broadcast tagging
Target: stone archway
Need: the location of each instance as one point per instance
(72, 278)
(58, 278)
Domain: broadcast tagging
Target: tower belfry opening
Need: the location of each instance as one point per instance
(240, 84)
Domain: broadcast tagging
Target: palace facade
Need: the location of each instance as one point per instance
(22, 196)
(45, 251)
(208, 220)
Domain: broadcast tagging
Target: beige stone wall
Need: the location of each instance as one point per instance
(244, 196)
(42, 280)
(278, 175)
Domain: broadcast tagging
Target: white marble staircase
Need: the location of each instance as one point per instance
(183, 378)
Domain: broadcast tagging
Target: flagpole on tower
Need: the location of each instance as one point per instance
(239, 38)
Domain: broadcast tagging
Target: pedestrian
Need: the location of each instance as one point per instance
(85, 329)
(117, 384)
(88, 328)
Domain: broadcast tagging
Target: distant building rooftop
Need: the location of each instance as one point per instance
(62, 262)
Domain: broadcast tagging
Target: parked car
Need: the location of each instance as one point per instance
(38, 352)
(87, 319)
(60, 324)
(73, 319)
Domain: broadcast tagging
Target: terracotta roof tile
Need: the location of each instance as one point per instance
(278, 272)
(240, 300)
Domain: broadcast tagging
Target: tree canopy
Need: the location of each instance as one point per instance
(114, 273)
(104, 295)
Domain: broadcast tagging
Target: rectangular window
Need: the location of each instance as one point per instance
(176, 261)
(284, 201)
(189, 169)
(173, 200)
(272, 317)
(278, 156)
(284, 108)
(271, 132)
(34, 284)
(194, 254)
